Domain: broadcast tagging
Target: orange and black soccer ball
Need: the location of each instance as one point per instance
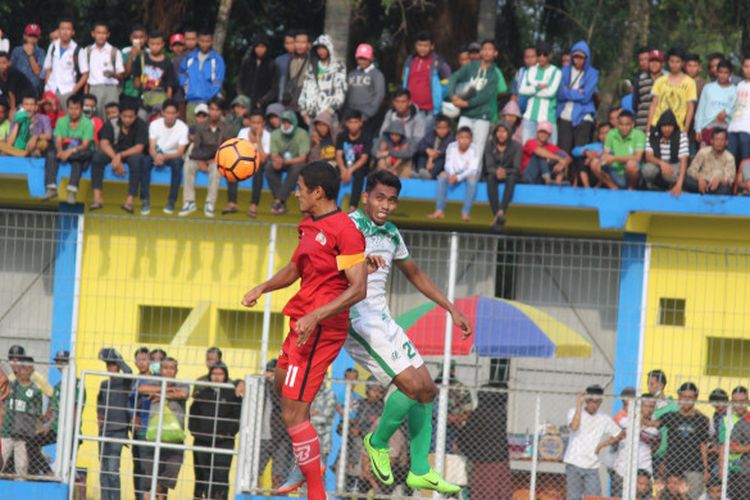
(237, 160)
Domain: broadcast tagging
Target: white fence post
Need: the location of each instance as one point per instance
(157, 450)
(633, 433)
(341, 472)
(725, 458)
(76, 436)
(266, 331)
(535, 448)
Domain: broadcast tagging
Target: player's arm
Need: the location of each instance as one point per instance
(282, 279)
(357, 291)
(429, 289)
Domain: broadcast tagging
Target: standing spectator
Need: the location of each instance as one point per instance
(130, 55)
(61, 64)
(289, 147)
(322, 141)
(693, 70)
(123, 141)
(424, 72)
(474, 89)
(168, 138)
(430, 158)
(643, 96)
(31, 132)
(542, 160)
(29, 57)
(739, 446)
(261, 139)
(583, 156)
(642, 53)
(649, 436)
(153, 76)
(406, 112)
(177, 47)
(213, 356)
(353, 155)
(274, 443)
(208, 137)
(459, 407)
(529, 61)
(588, 427)
(74, 140)
(666, 155)
(257, 78)
(687, 452)
(365, 87)
(294, 77)
(540, 86)
(739, 411)
(502, 162)
(201, 74)
(369, 409)
(675, 91)
(739, 126)
(140, 405)
(214, 423)
(619, 166)
(575, 104)
(324, 87)
(104, 65)
(13, 84)
(715, 105)
(113, 418)
(23, 413)
(191, 39)
(712, 171)
(719, 401)
(393, 151)
(281, 64)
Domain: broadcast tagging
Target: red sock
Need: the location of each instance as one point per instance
(307, 451)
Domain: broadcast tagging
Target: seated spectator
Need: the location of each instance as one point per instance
(502, 162)
(716, 104)
(712, 170)
(4, 121)
(273, 116)
(74, 140)
(618, 167)
(713, 490)
(462, 163)
(540, 86)
(324, 87)
(13, 84)
(208, 137)
(50, 106)
(643, 486)
(365, 87)
(289, 148)
(123, 141)
(393, 151)
(168, 138)
(31, 132)
(257, 78)
(430, 158)
(154, 76)
(352, 155)
(322, 145)
(214, 422)
(257, 133)
(575, 103)
(23, 413)
(675, 488)
(111, 111)
(104, 65)
(542, 160)
(89, 111)
(583, 156)
(201, 74)
(511, 113)
(239, 108)
(29, 57)
(666, 155)
(406, 113)
(113, 417)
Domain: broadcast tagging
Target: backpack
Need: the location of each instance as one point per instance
(112, 57)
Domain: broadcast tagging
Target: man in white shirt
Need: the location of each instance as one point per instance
(587, 429)
(103, 62)
(60, 65)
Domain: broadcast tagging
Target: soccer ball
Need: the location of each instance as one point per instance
(236, 160)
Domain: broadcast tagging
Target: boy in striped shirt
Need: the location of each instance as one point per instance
(667, 154)
(540, 87)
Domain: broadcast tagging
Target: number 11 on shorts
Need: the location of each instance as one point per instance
(291, 376)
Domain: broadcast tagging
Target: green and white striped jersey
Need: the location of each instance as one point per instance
(542, 104)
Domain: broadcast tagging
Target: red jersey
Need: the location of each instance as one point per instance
(530, 147)
(420, 82)
(328, 245)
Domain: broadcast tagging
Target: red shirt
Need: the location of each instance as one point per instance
(529, 148)
(328, 245)
(420, 82)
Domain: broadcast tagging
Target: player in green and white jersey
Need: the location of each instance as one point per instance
(378, 344)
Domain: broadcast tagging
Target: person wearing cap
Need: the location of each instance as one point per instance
(15, 354)
(290, 146)
(619, 166)
(675, 91)
(257, 77)
(257, 133)
(324, 87)
(29, 57)
(575, 104)
(105, 68)
(588, 428)
(201, 73)
(365, 87)
(178, 52)
(643, 96)
(540, 86)
(238, 110)
(474, 49)
(542, 162)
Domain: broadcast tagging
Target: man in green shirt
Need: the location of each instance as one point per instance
(289, 148)
(74, 138)
(22, 414)
(619, 166)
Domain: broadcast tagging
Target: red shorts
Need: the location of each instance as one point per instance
(306, 365)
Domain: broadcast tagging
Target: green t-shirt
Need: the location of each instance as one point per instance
(84, 130)
(624, 146)
(4, 130)
(55, 402)
(23, 410)
(128, 86)
(295, 144)
(671, 407)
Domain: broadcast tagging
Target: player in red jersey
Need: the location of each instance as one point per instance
(330, 260)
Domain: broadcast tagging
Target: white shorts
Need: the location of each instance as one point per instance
(380, 346)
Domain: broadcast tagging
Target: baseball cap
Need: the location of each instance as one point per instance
(656, 54)
(241, 100)
(364, 51)
(32, 29)
(16, 351)
(177, 38)
(62, 356)
(275, 109)
(201, 108)
(271, 365)
(474, 47)
(544, 127)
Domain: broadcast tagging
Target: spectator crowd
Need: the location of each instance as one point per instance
(159, 104)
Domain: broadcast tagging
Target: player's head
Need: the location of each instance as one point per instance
(318, 184)
(381, 196)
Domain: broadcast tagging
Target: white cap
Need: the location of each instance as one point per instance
(201, 108)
